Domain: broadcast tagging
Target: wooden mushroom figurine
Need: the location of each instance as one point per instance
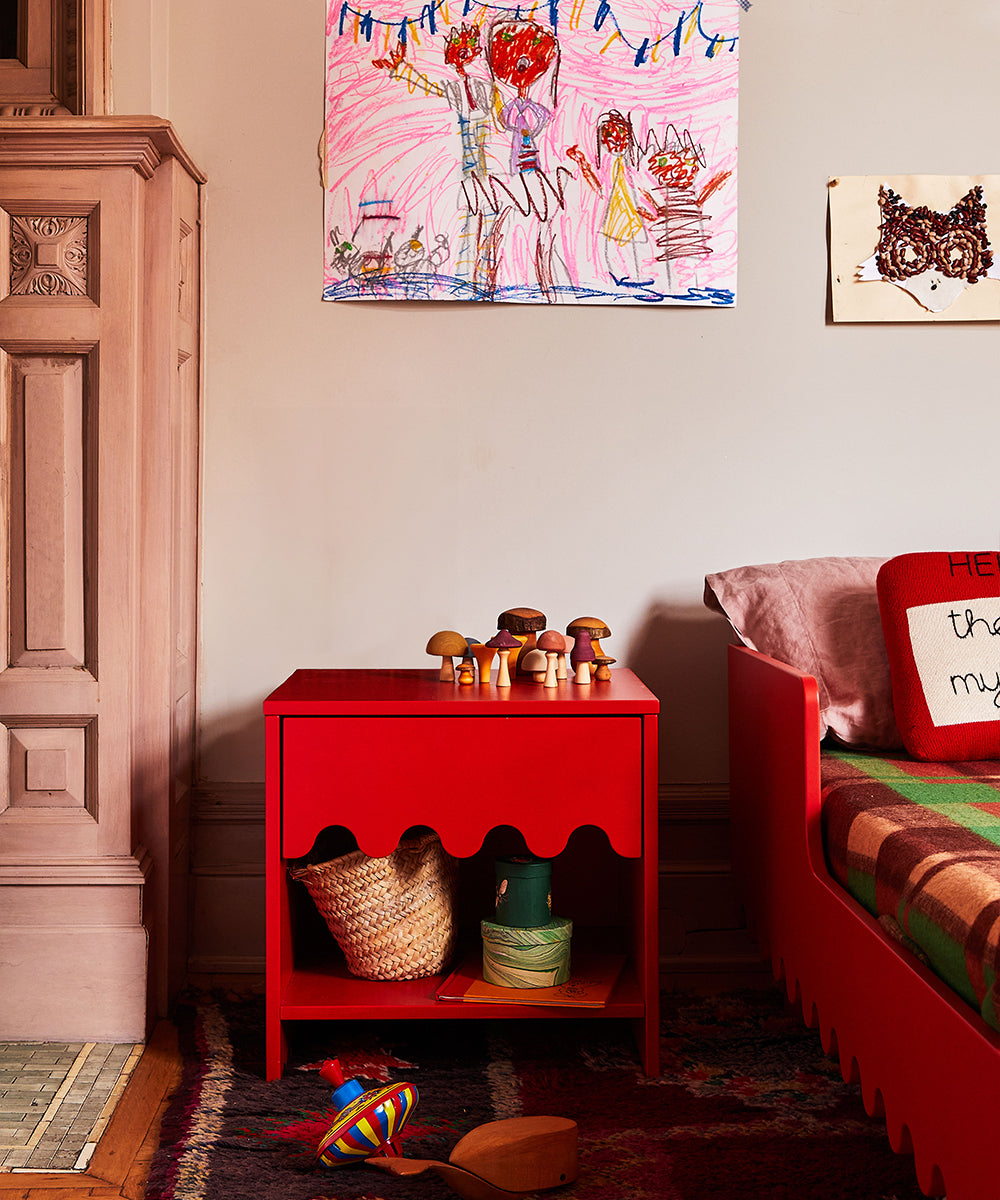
(504, 644)
(595, 627)
(533, 664)
(524, 624)
(603, 665)
(468, 660)
(445, 644)
(484, 656)
(581, 656)
(554, 645)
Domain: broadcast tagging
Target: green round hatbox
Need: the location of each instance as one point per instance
(527, 958)
(524, 887)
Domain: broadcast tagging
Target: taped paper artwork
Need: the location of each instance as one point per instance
(915, 248)
(576, 151)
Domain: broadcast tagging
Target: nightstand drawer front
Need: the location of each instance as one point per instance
(462, 776)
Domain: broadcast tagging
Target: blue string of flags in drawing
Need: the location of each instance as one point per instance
(689, 24)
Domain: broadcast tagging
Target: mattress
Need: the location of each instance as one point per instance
(917, 844)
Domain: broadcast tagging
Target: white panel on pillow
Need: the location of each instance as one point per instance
(956, 649)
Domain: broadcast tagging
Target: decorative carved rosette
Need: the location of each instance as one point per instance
(48, 256)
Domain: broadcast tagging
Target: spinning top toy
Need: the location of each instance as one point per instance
(368, 1123)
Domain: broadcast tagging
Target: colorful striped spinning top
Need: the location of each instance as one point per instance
(367, 1123)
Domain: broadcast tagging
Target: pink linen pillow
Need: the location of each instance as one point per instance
(821, 616)
(941, 617)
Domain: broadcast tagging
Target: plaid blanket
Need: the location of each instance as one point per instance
(918, 845)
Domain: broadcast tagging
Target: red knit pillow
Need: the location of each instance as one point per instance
(941, 618)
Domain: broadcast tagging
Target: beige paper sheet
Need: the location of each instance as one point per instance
(854, 228)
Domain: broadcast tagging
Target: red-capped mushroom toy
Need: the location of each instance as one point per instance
(554, 645)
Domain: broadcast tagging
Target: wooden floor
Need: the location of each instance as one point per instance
(120, 1164)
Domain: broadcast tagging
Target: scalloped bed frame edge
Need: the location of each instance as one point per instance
(926, 1062)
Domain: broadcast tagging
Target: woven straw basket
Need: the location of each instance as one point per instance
(393, 917)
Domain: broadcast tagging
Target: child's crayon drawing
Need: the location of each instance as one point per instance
(575, 151)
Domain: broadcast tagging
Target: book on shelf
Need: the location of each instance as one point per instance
(592, 978)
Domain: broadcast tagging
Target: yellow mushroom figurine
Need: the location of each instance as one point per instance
(446, 644)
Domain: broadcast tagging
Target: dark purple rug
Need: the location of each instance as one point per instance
(747, 1106)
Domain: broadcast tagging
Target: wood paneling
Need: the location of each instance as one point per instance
(99, 350)
(47, 511)
(48, 767)
(62, 59)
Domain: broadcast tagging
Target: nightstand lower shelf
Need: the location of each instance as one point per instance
(328, 992)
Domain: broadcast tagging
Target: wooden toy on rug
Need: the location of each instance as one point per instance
(504, 643)
(596, 628)
(524, 624)
(552, 642)
(446, 644)
(367, 1123)
(502, 1160)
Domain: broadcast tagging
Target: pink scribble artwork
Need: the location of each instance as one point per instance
(571, 152)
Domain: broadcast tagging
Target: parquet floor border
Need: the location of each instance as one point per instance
(120, 1164)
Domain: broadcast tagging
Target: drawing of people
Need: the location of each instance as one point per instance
(472, 106)
(680, 225)
(470, 99)
(622, 227)
(520, 53)
(497, 152)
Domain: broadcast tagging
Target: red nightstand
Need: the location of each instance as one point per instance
(380, 751)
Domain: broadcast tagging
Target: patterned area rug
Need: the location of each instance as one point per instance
(747, 1106)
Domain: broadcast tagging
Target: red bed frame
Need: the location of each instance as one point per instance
(926, 1062)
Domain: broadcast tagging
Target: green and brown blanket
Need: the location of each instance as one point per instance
(918, 845)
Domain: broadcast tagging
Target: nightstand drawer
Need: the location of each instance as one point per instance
(462, 776)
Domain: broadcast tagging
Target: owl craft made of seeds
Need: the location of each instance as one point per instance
(934, 256)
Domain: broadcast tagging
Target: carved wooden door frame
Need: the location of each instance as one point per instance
(62, 61)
